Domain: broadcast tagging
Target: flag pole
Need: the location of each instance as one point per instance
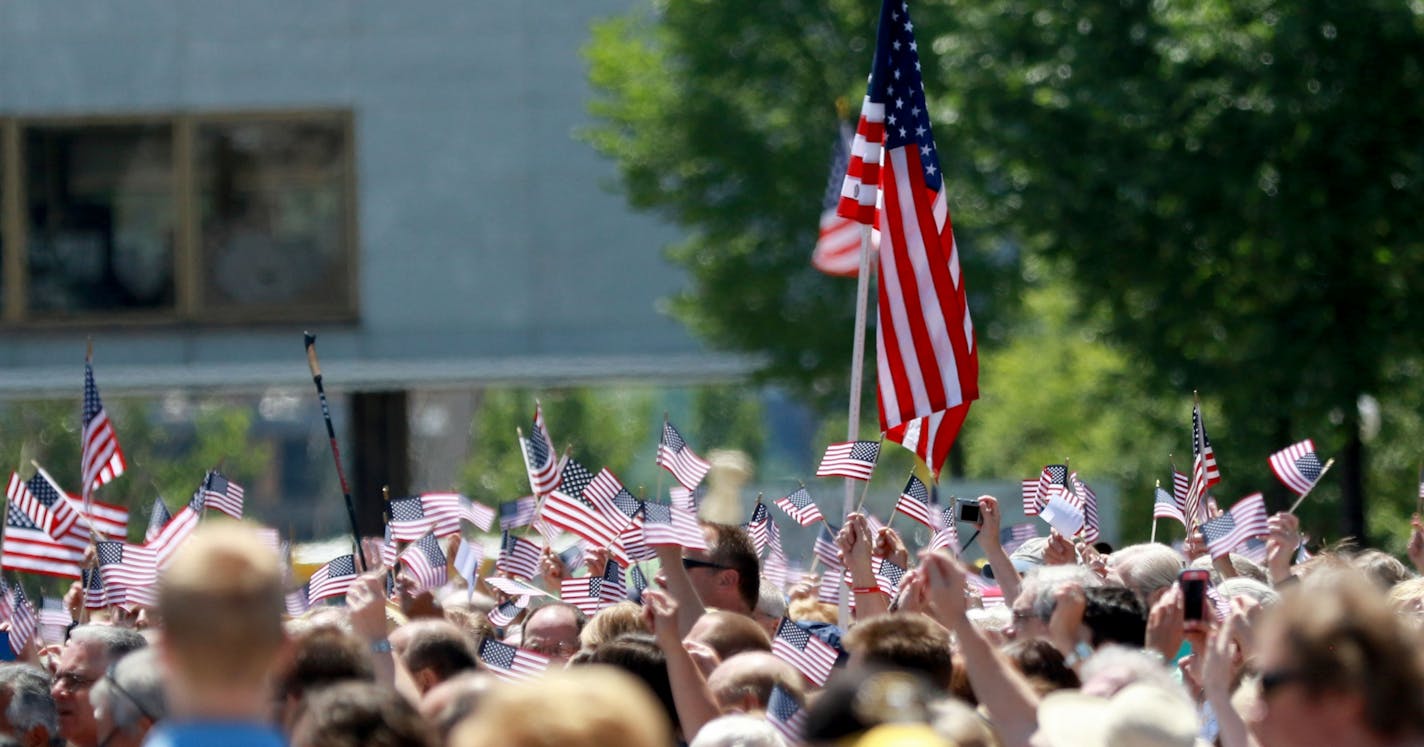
(1298, 501)
(310, 340)
(1154, 513)
(658, 486)
(857, 363)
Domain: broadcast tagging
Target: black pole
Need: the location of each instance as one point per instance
(335, 451)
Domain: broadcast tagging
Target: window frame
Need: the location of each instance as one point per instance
(187, 257)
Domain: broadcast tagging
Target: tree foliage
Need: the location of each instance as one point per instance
(1229, 189)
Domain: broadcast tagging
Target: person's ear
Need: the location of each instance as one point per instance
(729, 577)
(425, 679)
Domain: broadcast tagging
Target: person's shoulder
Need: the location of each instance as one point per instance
(213, 734)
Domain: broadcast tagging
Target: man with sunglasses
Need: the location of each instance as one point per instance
(128, 700)
(89, 652)
(725, 576)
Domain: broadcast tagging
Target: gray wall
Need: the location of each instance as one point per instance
(491, 246)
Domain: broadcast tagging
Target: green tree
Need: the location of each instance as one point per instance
(1230, 188)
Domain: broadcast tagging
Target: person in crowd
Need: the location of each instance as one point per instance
(1034, 606)
(770, 608)
(220, 601)
(728, 634)
(1337, 666)
(317, 658)
(1148, 569)
(129, 699)
(725, 576)
(737, 730)
(83, 660)
(595, 706)
(912, 642)
(432, 651)
(743, 682)
(553, 630)
(1043, 664)
(361, 714)
(27, 710)
(611, 622)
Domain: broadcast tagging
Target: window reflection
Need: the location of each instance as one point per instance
(273, 216)
(100, 211)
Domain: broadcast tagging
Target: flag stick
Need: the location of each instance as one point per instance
(857, 363)
(1298, 501)
(1154, 530)
(310, 340)
(970, 541)
(866, 490)
(658, 486)
(1154, 511)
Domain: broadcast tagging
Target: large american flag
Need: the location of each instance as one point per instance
(540, 461)
(928, 363)
(799, 506)
(30, 549)
(669, 525)
(425, 560)
(510, 663)
(853, 459)
(811, 656)
(675, 456)
(1233, 527)
(518, 557)
(1297, 466)
(223, 494)
(332, 579)
(838, 246)
(100, 458)
(914, 502)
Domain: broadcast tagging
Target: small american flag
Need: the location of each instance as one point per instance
(831, 586)
(1241, 522)
(125, 566)
(756, 526)
(1297, 466)
(566, 509)
(773, 538)
(441, 513)
(640, 579)
(518, 512)
(332, 579)
(109, 520)
(514, 588)
(507, 611)
(1053, 479)
(23, 620)
(811, 656)
(675, 456)
(573, 556)
(296, 602)
(914, 502)
(539, 458)
(1165, 507)
(1180, 485)
(853, 459)
(668, 525)
(30, 549)
(1087, 500)
(45, 505)
(426, 562)
(509, 663)
(54, 620)
(1204, 470)
(223, 494)
(166, 542)
(785, 715)
(157, 519)
(1028, 494)
(888, 576)
(946, 536)
(518, 557)
(101, 459)
(826, 548)
(592, 593)
(774, 568)
(604, 492)
(799, 506)
(407, 519)
(96, 597)
(689, 500)
(838, 247)
(1011, 538)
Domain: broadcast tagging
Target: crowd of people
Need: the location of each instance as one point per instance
(1087, 648)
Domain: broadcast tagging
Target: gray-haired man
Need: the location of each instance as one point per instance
(27, 711)
(128, 700)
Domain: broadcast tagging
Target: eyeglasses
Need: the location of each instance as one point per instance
(1273, 681)
(561, 648)
(690, 563)
(73, 682)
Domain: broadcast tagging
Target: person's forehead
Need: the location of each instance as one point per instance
(550, 619)
(82, 655)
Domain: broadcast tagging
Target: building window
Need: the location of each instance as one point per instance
(209, 218)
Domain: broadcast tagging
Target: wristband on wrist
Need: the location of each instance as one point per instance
(865, 589)
(382, 646)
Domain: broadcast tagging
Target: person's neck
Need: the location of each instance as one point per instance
(234, 704)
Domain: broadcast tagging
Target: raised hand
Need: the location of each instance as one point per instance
(891, 546)
(1059, 550)
(1166, 624)
(990, 520)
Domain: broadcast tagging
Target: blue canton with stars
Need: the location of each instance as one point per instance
(895, 81)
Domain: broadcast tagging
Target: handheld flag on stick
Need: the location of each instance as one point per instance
(1233, 527)
(852, 459)
(675, 456)
(100, 458)
(799, 506)
(1297, 466)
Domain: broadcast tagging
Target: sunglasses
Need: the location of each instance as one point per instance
(689, 564)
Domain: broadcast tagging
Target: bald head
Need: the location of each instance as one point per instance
(729, 633)
(743, 682)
